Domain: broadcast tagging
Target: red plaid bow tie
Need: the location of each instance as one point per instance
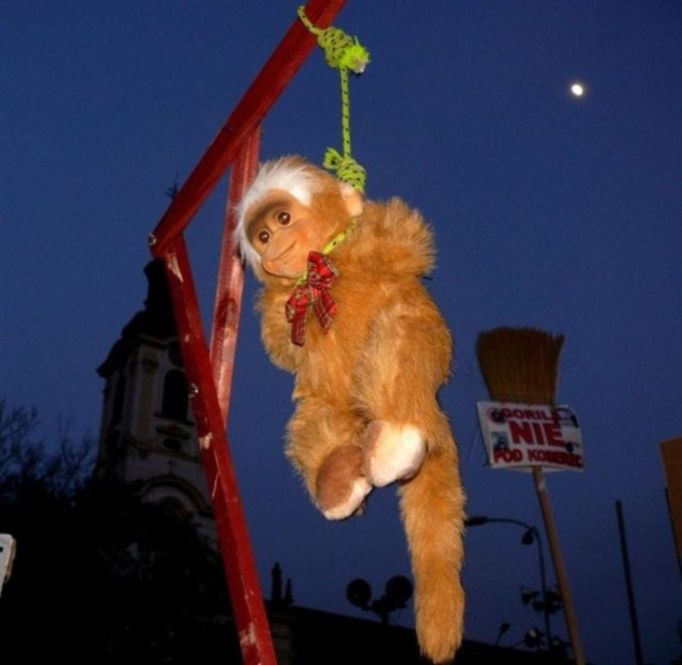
(314, 291)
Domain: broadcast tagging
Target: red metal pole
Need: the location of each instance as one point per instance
(238, 560)
(228, 298)
(248, 114)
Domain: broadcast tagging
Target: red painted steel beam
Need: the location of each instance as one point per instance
(230, 284)
(248, 114)
(233, 538)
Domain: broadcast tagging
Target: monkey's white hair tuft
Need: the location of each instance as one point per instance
(291, 174)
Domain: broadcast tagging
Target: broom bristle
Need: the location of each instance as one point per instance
(520, 364)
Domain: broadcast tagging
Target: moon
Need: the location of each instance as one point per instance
(577, 89)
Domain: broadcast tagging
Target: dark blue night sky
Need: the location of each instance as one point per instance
(548, 210)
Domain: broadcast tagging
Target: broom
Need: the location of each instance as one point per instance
(522, 365)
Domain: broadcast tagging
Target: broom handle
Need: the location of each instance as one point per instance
(560, 569)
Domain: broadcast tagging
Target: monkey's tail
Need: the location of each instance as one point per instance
(432, 507)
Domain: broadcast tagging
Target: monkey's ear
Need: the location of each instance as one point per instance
(354, 200)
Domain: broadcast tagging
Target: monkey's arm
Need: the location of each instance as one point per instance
(276, 330)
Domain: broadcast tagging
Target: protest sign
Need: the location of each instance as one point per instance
(520, 436)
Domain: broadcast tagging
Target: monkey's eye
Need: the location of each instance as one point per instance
(284, 218)
(264, 236)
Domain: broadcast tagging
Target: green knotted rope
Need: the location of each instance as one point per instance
(344, 53)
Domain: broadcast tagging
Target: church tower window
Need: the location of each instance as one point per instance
(175, 397)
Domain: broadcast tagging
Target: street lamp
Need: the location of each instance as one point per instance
(548, 602)
(396, 594)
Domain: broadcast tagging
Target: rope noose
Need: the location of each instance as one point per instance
(344, 53)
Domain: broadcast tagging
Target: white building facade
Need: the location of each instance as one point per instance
(148, 435)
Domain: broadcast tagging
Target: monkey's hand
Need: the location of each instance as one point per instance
(275, 329)
(391, 452)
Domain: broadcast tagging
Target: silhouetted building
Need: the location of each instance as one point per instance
(313, 637)
(147, 434)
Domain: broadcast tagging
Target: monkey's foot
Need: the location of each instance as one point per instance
(392, 452)
(340, 487)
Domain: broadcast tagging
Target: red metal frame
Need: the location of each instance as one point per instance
(228, 302)
(210, 374)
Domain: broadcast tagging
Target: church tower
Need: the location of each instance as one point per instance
(148, 436)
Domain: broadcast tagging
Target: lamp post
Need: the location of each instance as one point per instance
(549, 600)
(398, 591)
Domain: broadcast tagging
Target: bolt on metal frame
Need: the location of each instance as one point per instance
(209, 369)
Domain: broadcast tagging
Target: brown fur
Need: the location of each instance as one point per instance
(384, 358)
(336, 476)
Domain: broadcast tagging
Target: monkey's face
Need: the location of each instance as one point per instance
(283, 232)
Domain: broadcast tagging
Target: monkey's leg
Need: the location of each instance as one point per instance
(405, 363)
(392, 452)
(323, 445)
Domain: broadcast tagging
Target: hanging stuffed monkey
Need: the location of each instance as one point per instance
(344, 310)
